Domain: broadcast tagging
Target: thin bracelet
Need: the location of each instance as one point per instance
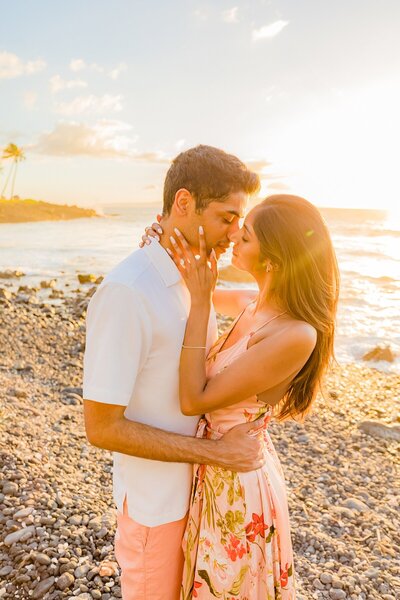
(194, 347)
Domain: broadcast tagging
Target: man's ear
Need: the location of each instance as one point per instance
(183, 202)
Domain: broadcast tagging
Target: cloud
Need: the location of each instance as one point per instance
(105, 139)
(30, 99)
(78, 64)
(57, 84)
(269, 31)
(257, 165)
(116, 72)
(12, 66)
(277, 185)
(91, 103)
(230, 16)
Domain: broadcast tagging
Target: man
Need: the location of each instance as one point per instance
(135, 327)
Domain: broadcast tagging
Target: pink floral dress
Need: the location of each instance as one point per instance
(237, 542)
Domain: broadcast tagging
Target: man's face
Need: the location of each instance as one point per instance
(220, 221)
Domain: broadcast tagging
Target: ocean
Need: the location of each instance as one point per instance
(367, 244)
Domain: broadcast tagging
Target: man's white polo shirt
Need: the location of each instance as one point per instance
(135, 327)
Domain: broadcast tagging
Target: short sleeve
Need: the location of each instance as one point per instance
(117, 344)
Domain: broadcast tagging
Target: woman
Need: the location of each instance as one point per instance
(237, 542)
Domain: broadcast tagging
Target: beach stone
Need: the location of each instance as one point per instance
(20, 535)
(318, 585)
(6, 571)
(380, 430)
(42, 559)
(42, 588)
(81, 571)
(326, 577)
(337, 594)
(65, 581)
(5, 294)
(108, 569)
(336, 582)
(355, 504)
(23, 513)
(10, 488)
(19, 393)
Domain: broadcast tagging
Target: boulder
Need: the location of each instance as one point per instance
(379, 353)
(87, 278)
(48, 284)
(8, 274)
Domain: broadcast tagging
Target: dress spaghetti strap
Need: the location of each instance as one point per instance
(266, 322)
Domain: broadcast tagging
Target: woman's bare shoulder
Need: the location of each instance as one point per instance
(302, 332)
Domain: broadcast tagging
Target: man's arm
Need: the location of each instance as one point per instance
(107, 428)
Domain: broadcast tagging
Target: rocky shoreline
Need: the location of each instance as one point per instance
(23, 211)
(57, 517)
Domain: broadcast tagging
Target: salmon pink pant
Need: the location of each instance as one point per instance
(151, 558)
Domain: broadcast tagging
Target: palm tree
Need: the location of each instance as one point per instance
(16, 154)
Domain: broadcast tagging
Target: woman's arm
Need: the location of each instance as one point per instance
(231, 302)
(262, 367)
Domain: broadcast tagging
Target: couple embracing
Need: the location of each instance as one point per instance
(201, 498)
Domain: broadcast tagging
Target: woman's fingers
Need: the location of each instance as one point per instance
(186, 249)
(202, 245)
(214, 263)
(181, 258)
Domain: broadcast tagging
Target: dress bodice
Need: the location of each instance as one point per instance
(247, 410)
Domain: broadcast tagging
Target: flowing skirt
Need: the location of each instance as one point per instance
(237, 543)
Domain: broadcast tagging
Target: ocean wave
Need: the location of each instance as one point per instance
(349, 230)
(356, 274)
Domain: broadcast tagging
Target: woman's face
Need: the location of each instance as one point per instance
(246, 248)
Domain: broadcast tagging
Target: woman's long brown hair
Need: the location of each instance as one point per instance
(295, 238)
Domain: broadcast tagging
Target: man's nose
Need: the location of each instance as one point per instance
(233, 231)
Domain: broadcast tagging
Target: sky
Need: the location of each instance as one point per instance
(102, 95)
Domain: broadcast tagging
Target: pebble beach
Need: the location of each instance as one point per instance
(57, 517)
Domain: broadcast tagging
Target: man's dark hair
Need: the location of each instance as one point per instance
(209, 174)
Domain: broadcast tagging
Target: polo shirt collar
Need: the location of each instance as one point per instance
(162, 262)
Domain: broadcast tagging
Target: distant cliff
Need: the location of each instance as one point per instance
(20, 211)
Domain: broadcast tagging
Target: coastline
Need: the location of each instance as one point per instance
(25, 211)
(343, 486)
